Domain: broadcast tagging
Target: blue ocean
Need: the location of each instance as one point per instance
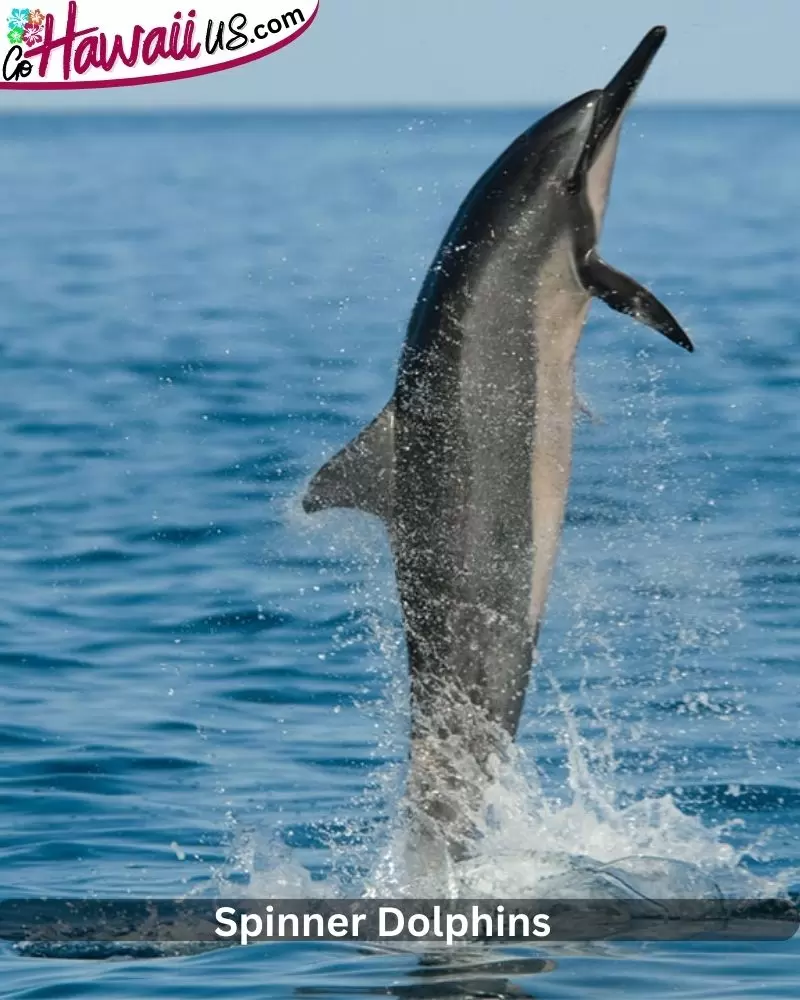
(204, 691)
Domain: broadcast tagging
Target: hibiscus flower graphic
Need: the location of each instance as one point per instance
(15, 36)
(19, 18)
(36, 17)
(33, 34)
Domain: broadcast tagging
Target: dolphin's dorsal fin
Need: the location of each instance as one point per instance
(627, 296)
(361, 475)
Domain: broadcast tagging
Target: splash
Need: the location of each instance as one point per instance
(583, 842)
(589, 846)
(598, 811)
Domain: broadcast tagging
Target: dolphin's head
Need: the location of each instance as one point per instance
(541, 204)
(600, 139)
(574, 147)
(549, 190)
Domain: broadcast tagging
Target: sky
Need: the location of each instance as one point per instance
(443, 53)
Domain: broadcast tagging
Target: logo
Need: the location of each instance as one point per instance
(91, 43)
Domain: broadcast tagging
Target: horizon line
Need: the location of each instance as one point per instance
(778, 104)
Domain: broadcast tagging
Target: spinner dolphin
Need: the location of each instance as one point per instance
(469, 463)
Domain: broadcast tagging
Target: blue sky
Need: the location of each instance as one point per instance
(497, 52)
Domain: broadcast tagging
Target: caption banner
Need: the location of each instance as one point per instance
(249, 921)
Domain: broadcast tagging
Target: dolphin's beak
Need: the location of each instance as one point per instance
(616, 97)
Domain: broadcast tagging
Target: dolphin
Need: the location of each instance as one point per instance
(468, 465)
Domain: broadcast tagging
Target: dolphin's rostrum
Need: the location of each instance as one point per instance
(469, 463)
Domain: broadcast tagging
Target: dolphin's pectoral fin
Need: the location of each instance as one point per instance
(360, 475)
(627, 296)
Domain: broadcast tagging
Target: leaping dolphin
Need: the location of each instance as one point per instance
(468, 465)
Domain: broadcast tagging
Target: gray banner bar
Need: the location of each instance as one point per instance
(247, 921)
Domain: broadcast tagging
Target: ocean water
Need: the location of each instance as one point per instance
(202, 688)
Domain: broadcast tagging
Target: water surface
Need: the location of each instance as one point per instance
(201, 688)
